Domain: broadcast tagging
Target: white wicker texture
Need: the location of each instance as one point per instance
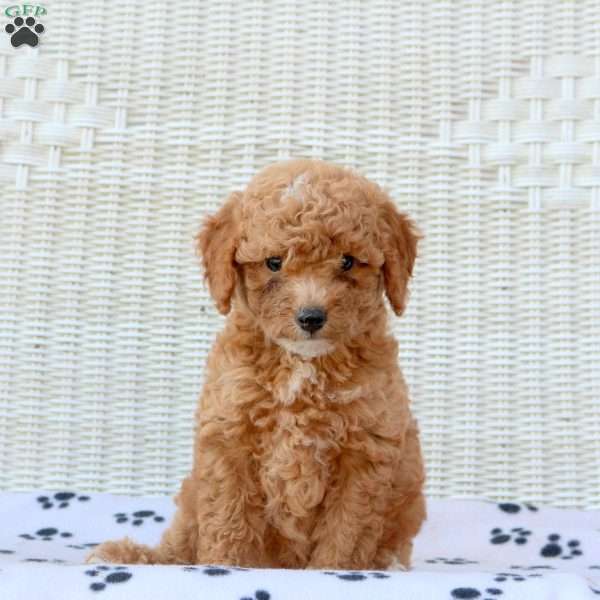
(130, 121)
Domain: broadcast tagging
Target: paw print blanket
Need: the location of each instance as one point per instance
(467, 550)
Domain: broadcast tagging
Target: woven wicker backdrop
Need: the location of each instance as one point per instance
(130, 121)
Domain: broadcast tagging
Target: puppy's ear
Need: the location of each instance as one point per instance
(400, 251)
(217, 243)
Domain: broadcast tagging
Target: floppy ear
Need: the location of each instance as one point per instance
(400, 251)
(217, 243)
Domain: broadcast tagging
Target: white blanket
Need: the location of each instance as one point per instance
(467, 550)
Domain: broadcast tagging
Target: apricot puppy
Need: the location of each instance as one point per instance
(306, 454)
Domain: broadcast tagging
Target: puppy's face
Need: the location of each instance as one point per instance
(311, 302)
(308, 250)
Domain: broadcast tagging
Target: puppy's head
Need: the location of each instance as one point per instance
(308, 250)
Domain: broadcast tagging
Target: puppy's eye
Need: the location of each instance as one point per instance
(347, 262)
(273, 263)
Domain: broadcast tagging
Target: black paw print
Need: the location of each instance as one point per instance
(110, 574)
(85, 546)
(469, 593)
(258, 595)
(518, 534)
(501, 577)
(512, 508)
(61, 499)
(56, 561)
(47, 534)
(554, 550)
(209, 570)
(213, 571)
(138, 517)
(357, 575)
(451, 561)
(532, 567)
(24, 31)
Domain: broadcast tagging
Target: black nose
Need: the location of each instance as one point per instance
(311, 319)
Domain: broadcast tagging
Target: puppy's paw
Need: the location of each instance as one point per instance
(125, 552)
(108, 552)
(94, 559)
(396, 565)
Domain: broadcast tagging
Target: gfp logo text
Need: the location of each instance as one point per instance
(24, 10)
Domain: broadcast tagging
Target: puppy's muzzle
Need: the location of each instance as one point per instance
(311, 319)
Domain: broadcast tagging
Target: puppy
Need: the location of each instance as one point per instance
(306, 454)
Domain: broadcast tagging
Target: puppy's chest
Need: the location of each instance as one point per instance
(299, 450)
(302, 384)
(298, 463)
(307, 420)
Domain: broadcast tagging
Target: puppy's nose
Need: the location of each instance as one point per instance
(311, 319)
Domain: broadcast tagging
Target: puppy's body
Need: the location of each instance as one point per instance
(306, 454)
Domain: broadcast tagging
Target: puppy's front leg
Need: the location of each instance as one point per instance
(229, 505)
(348, 532)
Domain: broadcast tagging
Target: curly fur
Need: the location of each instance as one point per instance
(306, 454)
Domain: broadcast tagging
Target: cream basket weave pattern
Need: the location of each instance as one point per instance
(130, 121)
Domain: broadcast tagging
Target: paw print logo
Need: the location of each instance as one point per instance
(553, 549)
(24, 31)
(60, 499)
(110, 576)
(518, 534)
(138, 517)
